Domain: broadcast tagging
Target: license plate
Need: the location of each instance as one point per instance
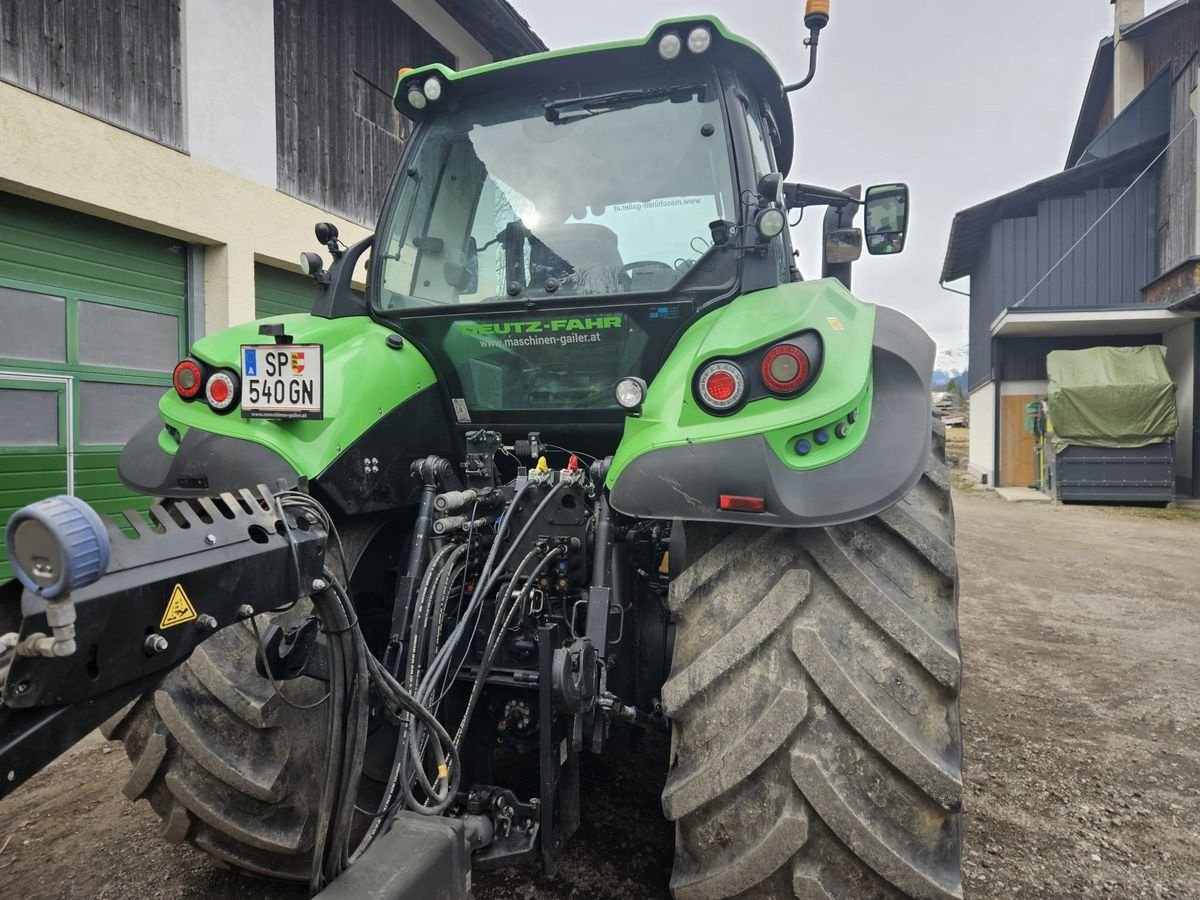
(282, 381)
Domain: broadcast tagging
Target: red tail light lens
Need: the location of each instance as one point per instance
(188, 379)
(785, 368)
(221, 390)
(722, 385)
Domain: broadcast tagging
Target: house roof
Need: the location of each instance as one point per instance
(971, 228)
(496, 25)
(1100, 81)
(1094, 97)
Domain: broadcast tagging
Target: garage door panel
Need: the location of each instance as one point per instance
(33, 326)
(21, 488)
(103, 307)
(47, 247)
(116, 337)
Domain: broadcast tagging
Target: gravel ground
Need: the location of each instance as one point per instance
(1081, 639)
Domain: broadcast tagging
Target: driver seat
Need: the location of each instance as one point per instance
(582, 250)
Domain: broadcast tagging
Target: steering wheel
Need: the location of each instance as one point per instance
(627, 269)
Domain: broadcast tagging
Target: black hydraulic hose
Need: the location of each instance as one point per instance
(483, 587)
(503, 617)
(501, 531)
(432, 470)
(443, 558)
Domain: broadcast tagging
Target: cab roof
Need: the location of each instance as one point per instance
(624, 56)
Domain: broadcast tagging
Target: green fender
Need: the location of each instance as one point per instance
(676, 459)
(191, 450)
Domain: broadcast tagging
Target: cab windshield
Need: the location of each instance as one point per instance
(607, 189)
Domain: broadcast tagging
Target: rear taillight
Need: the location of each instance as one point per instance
(721, 385)
(785, 368)
(188, 379)
(221, 390)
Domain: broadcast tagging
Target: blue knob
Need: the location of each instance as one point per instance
(821, 436)
(803, 447)
(57, 545)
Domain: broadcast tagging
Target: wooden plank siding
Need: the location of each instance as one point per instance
(118, 60)
(1108, 268)
(338, 136)
(1176, 46)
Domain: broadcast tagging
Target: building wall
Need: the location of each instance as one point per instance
(200, 76)
(981, 451)
(230, 76)
(136, 182)
(1107, 269)
(1174, 44)
(1181, 362)
(117, 60)
(338, 136)
(1024, 359)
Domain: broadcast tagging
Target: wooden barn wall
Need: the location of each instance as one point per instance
(1177, 46)
(338, 136)
(117, 60)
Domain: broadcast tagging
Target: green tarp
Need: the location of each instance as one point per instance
(1111, 397)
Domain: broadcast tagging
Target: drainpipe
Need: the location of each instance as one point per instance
(1129, 68)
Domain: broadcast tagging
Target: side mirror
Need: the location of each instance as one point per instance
(464, 275)
(886, 218)
(843, 245)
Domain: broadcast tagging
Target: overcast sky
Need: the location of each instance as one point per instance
(962, 99)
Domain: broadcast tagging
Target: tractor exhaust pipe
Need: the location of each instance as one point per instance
(816, 17)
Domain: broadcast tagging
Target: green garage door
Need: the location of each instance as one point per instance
(92, 321)
(277, 292)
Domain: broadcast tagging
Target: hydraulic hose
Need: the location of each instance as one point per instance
(503, 618)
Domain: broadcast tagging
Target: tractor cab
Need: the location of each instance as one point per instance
(556, 226)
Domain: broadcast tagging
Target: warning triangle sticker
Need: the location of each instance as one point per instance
(179, 609)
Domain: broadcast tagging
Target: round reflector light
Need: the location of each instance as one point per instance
(221, 390)
(722, 385)
(188, 379)
(630, 392)
(416, 99)
(669, 45)
(699, 39)
(770, 222)
(784, 368)
(433, 88)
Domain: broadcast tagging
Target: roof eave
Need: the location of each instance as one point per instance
(1097, 89)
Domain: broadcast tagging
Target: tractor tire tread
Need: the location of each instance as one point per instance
(816, 746)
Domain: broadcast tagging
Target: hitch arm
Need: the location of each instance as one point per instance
(195, 568)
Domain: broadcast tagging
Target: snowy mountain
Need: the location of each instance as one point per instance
(950, 365)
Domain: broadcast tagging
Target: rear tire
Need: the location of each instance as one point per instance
(816, 749)
(224, 761)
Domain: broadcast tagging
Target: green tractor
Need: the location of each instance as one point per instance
(593, 460)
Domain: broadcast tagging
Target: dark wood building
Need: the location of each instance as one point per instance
(1104, 253)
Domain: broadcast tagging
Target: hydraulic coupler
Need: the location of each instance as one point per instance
(98, 615)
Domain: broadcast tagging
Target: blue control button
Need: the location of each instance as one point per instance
(803, 447)
(822, 436)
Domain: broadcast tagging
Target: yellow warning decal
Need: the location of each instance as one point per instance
(179, 609)
(835, 323)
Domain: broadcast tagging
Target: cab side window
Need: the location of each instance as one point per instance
(764, 164)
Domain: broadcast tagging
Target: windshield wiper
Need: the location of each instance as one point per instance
(601, 103)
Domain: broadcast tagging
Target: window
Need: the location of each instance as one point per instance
(110, 412)
(29, 418)
(513, 198)
(32, 326)
(120, 338)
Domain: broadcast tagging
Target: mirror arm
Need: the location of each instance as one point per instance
(795, 195)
